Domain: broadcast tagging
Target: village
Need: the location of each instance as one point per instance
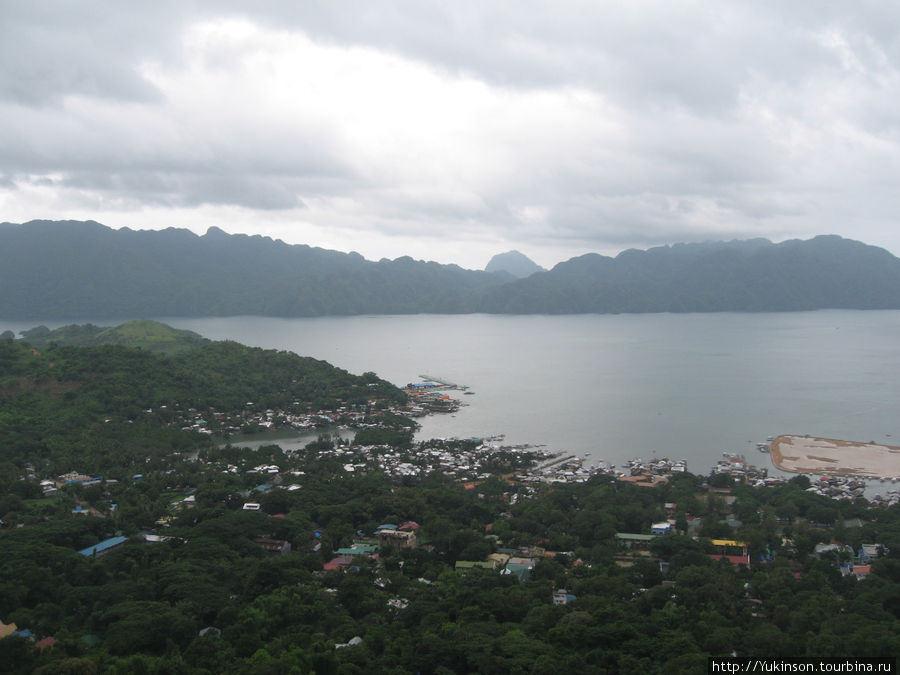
(260, 480)
(468, 462)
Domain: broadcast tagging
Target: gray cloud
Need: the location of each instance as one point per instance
(560, 127)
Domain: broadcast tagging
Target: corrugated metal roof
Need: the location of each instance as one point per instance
(627, 536)
(103, 546)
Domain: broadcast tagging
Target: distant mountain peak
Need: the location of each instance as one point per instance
(514, 263)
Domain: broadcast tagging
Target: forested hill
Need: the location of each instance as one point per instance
(70, 269)
(742, 276)
(66, 399)
(141, 333)
(76, 269)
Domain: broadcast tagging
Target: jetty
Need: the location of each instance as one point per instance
(828, 456)
(443, 383)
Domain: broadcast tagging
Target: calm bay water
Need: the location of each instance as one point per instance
(617, 387)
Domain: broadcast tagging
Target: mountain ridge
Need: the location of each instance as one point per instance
(76, 269)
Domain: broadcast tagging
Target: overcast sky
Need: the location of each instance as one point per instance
(452, 131)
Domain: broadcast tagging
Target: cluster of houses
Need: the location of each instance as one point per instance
(736, 466)
(213, 421)
(646, 473)
(520, 562)
(560, 469)
(887, 500)
(462, 460)
(422, 400)
(425, 400)
(273, 546)
(51, 487)
(633, 546)
(10, 630)
(850, 562)
(387, 537)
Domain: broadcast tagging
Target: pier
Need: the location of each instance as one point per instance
(445, 384)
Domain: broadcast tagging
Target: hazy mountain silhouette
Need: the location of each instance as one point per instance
(74, 269)
(517, 265)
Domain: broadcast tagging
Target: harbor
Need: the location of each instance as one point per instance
(847, 470)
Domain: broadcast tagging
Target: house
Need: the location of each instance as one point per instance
(732, 521)
(466, 565)
(103, 547)
(77, 478)
(869, 552)
(852, 522)
(837, 549)
(273, 546)
(659, 529)
(358, 548)
(562, 597)
(337, 563)
(500, 558)
(634, 542)
(521, 567)
(396, 539)
(152, 538)
(735, 552)
(45, 643)
(859, 571)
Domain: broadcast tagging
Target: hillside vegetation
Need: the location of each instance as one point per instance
(145, 334)
(110, 405)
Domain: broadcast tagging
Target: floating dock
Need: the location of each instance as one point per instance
(827, 456)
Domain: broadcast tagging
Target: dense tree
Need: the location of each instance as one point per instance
(142, 606)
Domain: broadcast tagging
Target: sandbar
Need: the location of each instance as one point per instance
(808, 454)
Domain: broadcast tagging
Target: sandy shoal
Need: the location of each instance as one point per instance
(808, 454)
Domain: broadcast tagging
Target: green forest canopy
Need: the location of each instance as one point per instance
(209, 599)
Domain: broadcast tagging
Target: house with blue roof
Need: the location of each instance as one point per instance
(103, 547)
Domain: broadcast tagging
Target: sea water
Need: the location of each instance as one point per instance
(618, 387)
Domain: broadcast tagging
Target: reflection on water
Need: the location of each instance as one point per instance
(287, 440)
